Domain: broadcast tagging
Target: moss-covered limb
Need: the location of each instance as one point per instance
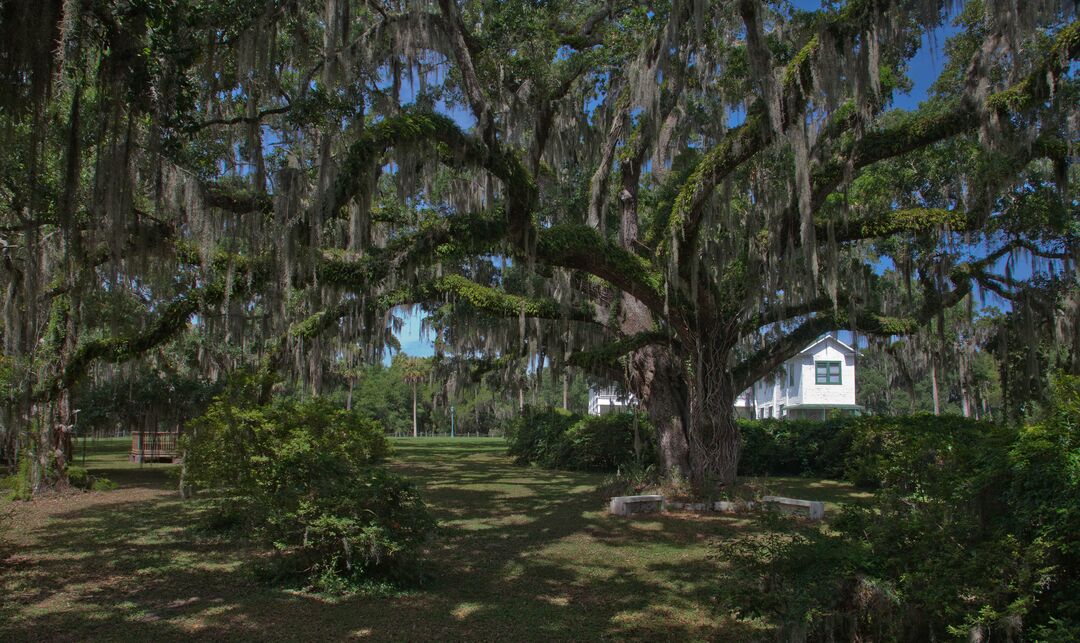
(917, 132)
(766, 360)
(172, 320)
(743, 142)
(910, 220)
(606, 358)
(924, 128)
(580, 247)
(237, 200)
(735, 149)
(1038, 86)
(488, 301)
(786, 313)
(577, 247)
(497, 303)
(454, 147)
(243, 266)
(914, 220)
(439, 238)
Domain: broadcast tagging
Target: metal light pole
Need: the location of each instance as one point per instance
(451, 420)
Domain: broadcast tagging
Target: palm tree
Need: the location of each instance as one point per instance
(415, 371)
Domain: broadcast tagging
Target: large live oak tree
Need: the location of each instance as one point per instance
(683, 193)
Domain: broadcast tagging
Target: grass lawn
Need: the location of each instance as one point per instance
(522, 554)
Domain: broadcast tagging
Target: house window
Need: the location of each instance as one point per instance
(791, 377)
(780, 412)
(827, 372)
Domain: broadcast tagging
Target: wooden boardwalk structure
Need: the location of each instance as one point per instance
(154, 446)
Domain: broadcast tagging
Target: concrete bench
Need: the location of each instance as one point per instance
(731, 507)
(811, 509)
(629, 505)
(685, 506)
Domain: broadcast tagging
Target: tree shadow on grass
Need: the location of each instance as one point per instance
(523, 554)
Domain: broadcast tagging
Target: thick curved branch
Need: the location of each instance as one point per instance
(464, 48)
(923, 129)
(497, 303)
(172, 320)
(914, 220)
(741, 143)
(569, 246)
(579, 247)
(602, 359)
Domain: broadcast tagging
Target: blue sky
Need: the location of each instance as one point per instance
(925, 67)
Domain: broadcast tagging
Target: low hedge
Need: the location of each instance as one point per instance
(558, 439)
(870, 451)
(795, 447)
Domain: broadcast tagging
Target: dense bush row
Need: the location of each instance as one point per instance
(558, 439)
(795, 447)
(869, 451)
(856, 449)
(304, 477)
(974, 533)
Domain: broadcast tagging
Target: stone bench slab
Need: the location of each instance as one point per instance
(812, 509)
(685, 506)
(731, 507)
(629, 505)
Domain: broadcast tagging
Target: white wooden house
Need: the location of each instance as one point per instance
(818, 381)
(606, 400)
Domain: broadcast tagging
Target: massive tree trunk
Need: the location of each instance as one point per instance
(657, 380)
(714, 434)
(665, 398)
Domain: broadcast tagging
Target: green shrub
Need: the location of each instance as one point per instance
(776, 447)
(79, 477)
(558, 439)
(303, 476)
(1043, 499)
(974, 533)
(923, 454)
(17, 485)
(609, 442)
(101, 483)
(538, 436)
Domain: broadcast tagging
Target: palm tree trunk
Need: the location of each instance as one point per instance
(415, 432)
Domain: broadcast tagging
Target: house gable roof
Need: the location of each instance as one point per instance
(828, 338)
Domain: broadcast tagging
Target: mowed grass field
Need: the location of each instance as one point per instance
(522, 554)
